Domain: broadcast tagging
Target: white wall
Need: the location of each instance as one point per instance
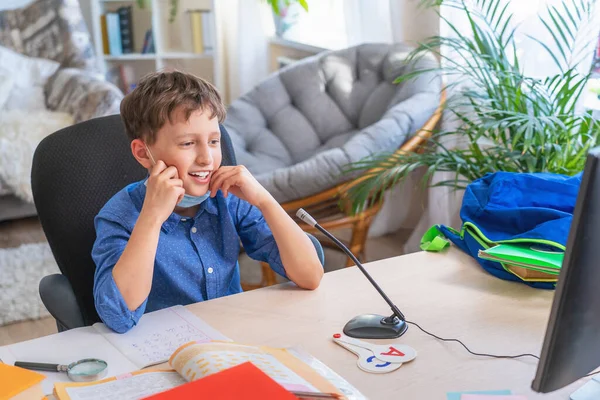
(85, 8)
(411, 22)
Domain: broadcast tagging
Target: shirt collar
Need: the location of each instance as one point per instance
(138, 194)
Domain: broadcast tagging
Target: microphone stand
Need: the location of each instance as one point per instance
(366, 326)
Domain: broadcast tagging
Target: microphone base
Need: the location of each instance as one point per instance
(373, 326)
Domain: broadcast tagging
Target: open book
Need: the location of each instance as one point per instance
(157, 335)
(291, 368)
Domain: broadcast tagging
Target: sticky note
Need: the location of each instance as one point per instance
(14, 380)
(491, 397)
(457, 395)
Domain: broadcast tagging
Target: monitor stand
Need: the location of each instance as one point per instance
(589, 391)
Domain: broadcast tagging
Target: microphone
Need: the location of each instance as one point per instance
(366, 326)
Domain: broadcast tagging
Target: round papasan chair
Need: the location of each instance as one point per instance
(296, 130)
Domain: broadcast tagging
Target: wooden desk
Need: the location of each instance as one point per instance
(447, 294)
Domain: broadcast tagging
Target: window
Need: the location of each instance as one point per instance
(336, 24)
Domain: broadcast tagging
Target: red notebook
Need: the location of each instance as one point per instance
(242, 382)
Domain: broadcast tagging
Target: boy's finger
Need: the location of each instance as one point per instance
(171, 172)
(233, 181)
(220, 171)
(215, 184)
(181, 194)
(176, 182)
(159, 167)
(225, 188)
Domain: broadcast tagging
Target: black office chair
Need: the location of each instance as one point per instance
(75, 172)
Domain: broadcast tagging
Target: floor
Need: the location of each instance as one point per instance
(14, 233)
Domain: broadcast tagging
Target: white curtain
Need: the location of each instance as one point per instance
(243, 27)
(407, 205)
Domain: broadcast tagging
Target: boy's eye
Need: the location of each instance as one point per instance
(187, 144)
(215, 141)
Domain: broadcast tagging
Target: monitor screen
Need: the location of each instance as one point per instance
(571, 346)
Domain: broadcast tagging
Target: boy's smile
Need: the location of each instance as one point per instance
(201, 177)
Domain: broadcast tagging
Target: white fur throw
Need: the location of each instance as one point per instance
(20, 133)
(21, 269)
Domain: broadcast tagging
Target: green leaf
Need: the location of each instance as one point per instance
(304, 4)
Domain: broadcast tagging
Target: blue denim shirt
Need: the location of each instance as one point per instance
(196, 258)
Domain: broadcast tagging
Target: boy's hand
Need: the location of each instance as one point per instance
(239, 181)
(164, 191)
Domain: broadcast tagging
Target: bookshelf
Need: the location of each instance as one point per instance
(176, 44)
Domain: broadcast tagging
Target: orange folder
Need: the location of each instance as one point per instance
(14, 380)
(242, 382)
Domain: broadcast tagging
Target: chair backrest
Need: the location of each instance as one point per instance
(51, 29)
(75, 172)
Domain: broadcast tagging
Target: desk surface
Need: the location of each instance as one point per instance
(447, 294)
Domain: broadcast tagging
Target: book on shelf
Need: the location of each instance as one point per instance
(126, 29)
(198, 28)
(104, 33)
(148, 46)
(193, 361)
(114, 34)
(208, 31)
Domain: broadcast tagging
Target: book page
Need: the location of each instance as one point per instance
(132, 386)
(65, 348)
(195, 361)
(158, 334)
(349, 391)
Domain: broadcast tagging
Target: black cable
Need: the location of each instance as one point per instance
(485, 354)
(472, 352)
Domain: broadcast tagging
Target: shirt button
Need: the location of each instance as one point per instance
(210, 270)
(194, 230)
(183, 219)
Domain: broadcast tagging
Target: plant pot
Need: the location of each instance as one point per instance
(287, 18)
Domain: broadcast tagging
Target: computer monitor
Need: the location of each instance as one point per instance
(571, 346)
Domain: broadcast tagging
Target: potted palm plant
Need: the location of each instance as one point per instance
(508, 120)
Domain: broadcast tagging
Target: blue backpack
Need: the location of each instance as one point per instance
(507, 207)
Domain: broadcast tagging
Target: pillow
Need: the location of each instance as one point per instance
(26, 99)
(26, 71)
(6, 85)
(50, 29)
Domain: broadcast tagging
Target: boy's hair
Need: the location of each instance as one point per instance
(147, 108)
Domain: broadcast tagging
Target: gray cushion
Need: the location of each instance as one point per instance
(296, 130)
(52, 29)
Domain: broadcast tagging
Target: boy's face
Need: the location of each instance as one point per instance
(192, 146)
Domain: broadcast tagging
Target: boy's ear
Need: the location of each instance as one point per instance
(138, 149)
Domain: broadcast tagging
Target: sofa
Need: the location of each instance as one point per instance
(59, 82)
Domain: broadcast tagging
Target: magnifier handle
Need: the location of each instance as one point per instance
(38, 366)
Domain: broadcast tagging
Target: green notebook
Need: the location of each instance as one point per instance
(530, 256)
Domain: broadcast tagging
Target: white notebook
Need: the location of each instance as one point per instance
(158, 334)
(152, 341)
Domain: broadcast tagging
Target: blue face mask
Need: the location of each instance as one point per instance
(187, 200)
(190, 201)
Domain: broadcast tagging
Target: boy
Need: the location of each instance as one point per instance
(174, 237)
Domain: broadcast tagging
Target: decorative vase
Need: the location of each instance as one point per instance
(287, 17)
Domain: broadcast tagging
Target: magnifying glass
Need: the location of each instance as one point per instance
(86, 370)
